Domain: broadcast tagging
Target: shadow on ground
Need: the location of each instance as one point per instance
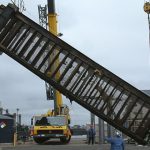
(56, 142)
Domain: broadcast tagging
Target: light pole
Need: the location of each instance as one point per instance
(17, 119)
(16, 123)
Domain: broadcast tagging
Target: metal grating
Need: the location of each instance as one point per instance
(80, 78)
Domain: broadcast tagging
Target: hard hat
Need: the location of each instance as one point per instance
(117, 133)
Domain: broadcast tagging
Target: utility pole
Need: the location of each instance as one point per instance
(1, 108)
(101, 130)
(17, 119)
(93, 120)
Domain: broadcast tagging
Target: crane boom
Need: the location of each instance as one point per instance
(52, 23)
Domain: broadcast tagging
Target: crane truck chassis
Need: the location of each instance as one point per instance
(45, 128)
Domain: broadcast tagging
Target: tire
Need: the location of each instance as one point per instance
(65, 140)
(40, 140)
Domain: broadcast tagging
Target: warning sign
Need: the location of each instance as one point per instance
(2, 125)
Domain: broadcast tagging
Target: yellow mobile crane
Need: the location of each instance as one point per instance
(55, 123)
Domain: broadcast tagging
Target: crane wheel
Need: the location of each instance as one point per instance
(65, 140)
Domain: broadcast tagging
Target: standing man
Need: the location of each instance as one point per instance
(116, 142)
(91, 135)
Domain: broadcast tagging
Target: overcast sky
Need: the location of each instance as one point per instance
(112, 33)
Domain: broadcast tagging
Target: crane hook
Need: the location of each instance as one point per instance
(147, 7)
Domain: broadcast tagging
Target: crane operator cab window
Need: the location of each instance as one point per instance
(52, 121)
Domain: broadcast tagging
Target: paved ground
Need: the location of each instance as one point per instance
(69, 147)
(75, 144)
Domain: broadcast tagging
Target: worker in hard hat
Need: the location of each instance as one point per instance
(116, 142)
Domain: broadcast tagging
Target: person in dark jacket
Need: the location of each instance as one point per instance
(24, 136)
(117, 142)
(91, 135)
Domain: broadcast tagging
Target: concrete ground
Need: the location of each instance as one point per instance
(75, 144)
(69, 147)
